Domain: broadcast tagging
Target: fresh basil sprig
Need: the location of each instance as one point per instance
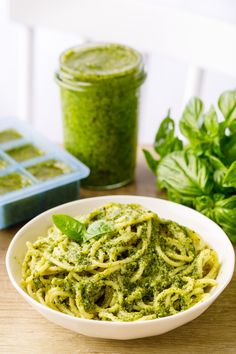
(201, 173)
(77, 231)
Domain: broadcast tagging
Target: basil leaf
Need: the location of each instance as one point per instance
(99, 228)
(184, 172)
(227, 106)
(189, 122)
(165, 141)
(229, 179)
(152, 163)
(220, 209)
(69, 226)
(179, 198)
(225, 211)
(210, 122)
(219, 170)
(204, 138)
(205, 205)
(228, 147)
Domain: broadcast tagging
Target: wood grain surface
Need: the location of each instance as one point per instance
(23, 330)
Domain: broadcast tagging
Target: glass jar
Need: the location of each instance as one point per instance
(99, 86)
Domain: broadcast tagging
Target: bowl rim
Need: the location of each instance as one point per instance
(202, 305)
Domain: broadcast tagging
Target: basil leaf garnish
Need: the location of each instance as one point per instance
(77, 231)
(99, 228)
(69, 226)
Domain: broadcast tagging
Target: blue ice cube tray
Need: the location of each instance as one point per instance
(27, 202)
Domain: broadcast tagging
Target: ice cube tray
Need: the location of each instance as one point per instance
(38, 195)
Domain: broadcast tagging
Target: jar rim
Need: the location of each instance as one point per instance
(85, 85)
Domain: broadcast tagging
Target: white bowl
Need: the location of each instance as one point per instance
(208, 230)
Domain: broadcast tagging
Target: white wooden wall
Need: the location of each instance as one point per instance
(187, 53)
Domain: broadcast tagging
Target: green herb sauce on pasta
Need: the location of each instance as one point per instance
(146, 268)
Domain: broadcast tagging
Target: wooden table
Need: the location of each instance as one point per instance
(23, 330)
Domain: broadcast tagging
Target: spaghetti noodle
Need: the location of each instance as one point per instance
(146, 268)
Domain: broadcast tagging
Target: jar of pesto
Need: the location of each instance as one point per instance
(100, 86)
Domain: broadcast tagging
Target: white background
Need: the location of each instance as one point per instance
(164, 87)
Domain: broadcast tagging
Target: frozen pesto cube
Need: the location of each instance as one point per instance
(12, 182)
(25, 152)
(3, 164)
(49, 169)
(8, 135)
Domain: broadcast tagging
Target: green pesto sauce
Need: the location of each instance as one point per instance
(8, 135)
(48, 169)
(3, 164)
(24, 152)
(100, 99)
(12, 182)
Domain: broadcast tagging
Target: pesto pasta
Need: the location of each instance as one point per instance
(143, 268)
